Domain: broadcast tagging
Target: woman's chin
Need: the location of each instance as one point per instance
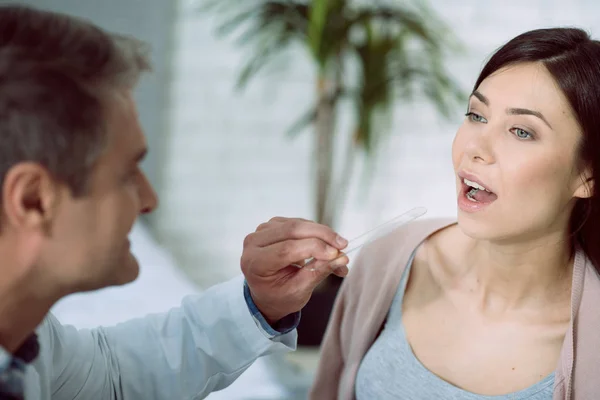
(476, 228)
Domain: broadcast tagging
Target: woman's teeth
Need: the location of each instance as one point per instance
(474, 189)
(474, 185)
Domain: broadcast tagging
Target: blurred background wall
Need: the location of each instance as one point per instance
(230, 166)
(220, 158)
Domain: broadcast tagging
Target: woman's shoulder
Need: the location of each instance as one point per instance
(384, 259)
(369, 288)
(586, 286)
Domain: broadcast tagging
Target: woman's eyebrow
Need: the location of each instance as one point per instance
(525, 111)
(513, 111)
(481, 97)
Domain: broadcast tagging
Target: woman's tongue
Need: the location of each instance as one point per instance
(483, 196)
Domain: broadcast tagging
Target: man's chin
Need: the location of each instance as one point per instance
(117, 273)
(129, 271)
(124, 272)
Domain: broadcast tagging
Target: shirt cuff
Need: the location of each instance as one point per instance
(282, 327)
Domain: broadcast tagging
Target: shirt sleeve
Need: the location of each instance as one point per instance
(286, 325)
(195, 349)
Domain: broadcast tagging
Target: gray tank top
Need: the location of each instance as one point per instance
(390, 370)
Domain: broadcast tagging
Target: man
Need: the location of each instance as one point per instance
(71, 189)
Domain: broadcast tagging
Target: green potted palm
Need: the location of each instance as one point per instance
(368, 57)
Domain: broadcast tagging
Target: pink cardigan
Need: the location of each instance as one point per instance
(367, 293)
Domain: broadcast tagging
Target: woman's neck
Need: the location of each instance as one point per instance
(505, 275)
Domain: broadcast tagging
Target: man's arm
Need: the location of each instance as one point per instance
(211, 339)
(186, 353)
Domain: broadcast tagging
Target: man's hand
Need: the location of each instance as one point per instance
(278, 288)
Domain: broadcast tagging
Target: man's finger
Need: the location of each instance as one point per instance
(336, 265)
(279, 255)
(257, 238)
(341, 271)
(275, 221)
(268, 225)
(296, 229)
(314, 273)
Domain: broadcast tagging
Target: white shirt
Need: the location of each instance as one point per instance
(195, 349)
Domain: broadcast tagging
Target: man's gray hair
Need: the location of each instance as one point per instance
(55, 71)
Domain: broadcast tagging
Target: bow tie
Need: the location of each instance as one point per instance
(11, 379)
(29, 349)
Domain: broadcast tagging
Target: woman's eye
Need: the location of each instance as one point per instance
(475, 117)
(522, 134)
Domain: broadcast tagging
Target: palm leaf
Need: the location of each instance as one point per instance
(318, 15)
(399, 52)
(309, 117)
(267, 27)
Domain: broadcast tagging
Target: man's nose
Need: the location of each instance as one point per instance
(148, 196)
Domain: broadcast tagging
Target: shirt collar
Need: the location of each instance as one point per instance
(26, 353)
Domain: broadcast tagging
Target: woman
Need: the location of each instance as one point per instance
(501, 303)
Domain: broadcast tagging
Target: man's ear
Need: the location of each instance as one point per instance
(29, 196)
(585, 189)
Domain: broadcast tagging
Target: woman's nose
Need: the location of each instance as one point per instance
(480, 147)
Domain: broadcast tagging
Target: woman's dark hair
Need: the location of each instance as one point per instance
(573, 59)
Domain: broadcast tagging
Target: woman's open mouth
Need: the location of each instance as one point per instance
(477, 193)
(474, 196)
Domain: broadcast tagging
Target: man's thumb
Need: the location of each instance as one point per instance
(315, 272)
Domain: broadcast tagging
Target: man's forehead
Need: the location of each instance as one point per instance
(122, 100)
(124, 132)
